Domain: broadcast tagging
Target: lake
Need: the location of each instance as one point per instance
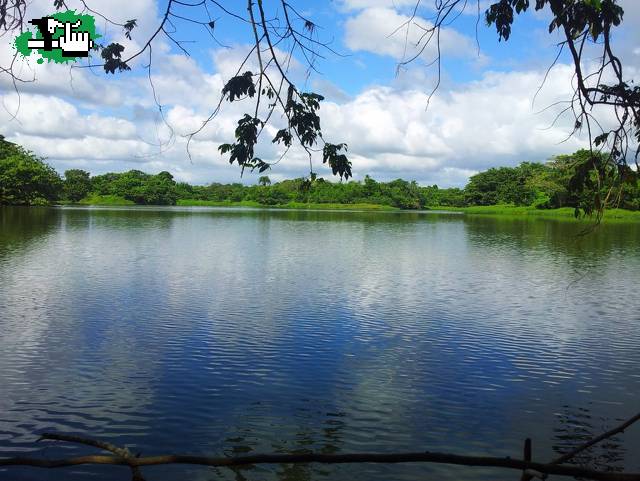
(222, 331)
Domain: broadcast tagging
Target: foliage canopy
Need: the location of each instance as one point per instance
(24, 178)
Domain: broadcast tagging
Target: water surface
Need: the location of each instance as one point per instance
(220, 331)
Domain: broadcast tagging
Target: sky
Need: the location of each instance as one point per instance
(485, 113)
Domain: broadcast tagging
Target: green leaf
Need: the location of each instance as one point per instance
(128, 26)
(240, 86)
(112, 56)
(283, 136)
(339, 163)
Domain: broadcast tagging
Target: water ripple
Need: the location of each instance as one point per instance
(209, 331)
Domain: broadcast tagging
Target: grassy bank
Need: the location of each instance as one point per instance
(495, 210)
(105, 200)
(289, 205)
(117, 200)
(214, 203)
(565, 212)
(362, 206)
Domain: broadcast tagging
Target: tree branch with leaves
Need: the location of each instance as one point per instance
(280, 33)
(599, 88)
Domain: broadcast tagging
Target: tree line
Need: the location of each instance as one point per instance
(26, 179)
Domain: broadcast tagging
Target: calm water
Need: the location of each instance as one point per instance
(228, 332)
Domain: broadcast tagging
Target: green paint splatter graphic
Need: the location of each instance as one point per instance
(88, 25)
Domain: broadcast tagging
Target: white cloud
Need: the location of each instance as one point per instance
(483, 124)
(382, 31)
(388, 128)
(626, 39)
(53, 117)
(390, 133)
(90, 147)
(408, 5)
(82, 84)
(362, 4)
(145, 12)
(57, 79)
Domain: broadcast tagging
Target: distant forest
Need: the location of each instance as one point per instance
(26, 179)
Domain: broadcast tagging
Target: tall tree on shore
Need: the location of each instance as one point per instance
(77, 184)
(26, 179)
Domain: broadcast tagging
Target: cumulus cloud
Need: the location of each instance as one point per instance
(627, 38)
(380, 30)
(390, 132)
(105, 123)
(52, 117)
(361, 4)
(59, 80)
(83, 84)
(407, 5)
(481, 124)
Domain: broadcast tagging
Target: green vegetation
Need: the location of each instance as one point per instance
(97, 199)
(288, 205)
(77, 184)
(137, 187)
(355, 206)
(580, 181)
(217, 203)
(523, 211)
(24, 178)
(547, 189)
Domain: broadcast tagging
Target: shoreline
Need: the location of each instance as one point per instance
(288, 205)
(564, 213)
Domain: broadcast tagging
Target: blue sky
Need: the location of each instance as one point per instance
(482, 115)
(360, 68)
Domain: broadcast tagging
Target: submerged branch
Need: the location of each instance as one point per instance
(123, 457)
(121, 453)
(439, 458)
(618, 429)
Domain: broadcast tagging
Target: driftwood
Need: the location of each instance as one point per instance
(123, 457)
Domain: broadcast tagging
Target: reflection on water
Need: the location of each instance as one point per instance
(576, 426)
(19, 226)
(240, 331)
